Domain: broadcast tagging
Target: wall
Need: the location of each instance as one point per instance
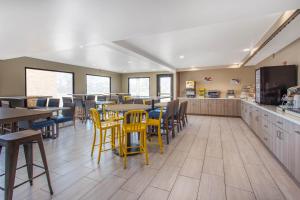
(290, 54)
(12, 75)
(221, 79)
(153, 79)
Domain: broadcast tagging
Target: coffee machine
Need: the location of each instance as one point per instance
(292, 98)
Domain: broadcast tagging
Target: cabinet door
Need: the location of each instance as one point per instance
(220, 108)
(228, 107)
(204, 107)
(296, 131)
(212, 107)
(281, 146)
(189, 107)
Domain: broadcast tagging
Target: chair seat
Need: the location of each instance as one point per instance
(62, 119)
(154, 114)
(130, 128)
(153, 122)
(42, 124)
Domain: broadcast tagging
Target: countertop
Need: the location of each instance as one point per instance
(274, 110)
(220, 98)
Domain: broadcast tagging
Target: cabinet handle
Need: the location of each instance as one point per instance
(278, 122)
(265, 115)
(265, 126)
(298, 132)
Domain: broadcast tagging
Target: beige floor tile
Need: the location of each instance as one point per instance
(214, 148)
(213, 166)
(124, 195)
(177, 158)
(166, 177)
(211, 188)
(77, 190)
(140, 180)
(198, 148)
(192, 168)
(105, 189)
(185, 188)
(236, 176)
(152, 193)
(237, 194)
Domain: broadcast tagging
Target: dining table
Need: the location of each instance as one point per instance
(14, 115)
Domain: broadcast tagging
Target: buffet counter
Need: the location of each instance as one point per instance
(213, 106)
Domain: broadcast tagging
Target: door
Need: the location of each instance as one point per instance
(165, 87)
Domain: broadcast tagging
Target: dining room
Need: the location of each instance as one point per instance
(142, 100)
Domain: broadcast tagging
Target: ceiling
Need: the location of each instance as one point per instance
(136, 35)
(284, 37)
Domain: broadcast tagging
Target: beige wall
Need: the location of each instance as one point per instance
(151, 75)
(290, 54)
(221, 79)
(12, 75)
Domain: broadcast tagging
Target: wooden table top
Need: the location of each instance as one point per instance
(105, 102)
(127, 107)
(161, 104)
(51, 109)
(20, 114)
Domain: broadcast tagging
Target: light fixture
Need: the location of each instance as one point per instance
(181, 56)
(236, 63)
(129, 62)
(81, 46)
(246, 50)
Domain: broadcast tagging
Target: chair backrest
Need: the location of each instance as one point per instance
(129, 101)
(101, 98)
(53, 102)
(138, 101)
(78, 102)
(176, 106)
(69, 112)
(67, 100)
(5, 104)
(170, 109)
(90, 97)
(95, 116)
(185, 107)
(41, 102)
(135, 120)
(88, 104)
(181, 109)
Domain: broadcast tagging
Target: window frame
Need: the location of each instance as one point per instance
(50, 70)
(98, 76)
(138, 78)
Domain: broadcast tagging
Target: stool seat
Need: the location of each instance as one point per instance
(22, 135)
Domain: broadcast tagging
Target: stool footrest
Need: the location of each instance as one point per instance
(1, 188)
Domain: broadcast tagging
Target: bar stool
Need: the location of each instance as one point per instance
(12, 142)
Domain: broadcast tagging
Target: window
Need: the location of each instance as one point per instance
(139, 86)
(48, 83)
(97, 84)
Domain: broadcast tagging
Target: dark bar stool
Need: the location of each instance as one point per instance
(12, 142)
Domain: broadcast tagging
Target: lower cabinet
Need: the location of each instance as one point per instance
(216, 107)
(281, 136)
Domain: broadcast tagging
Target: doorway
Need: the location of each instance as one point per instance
(165, 87)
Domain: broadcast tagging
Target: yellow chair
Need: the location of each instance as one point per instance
(115, 132)
(135, 121)
(157, 123)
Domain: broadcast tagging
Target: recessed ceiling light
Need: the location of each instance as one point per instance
(129, 62)
(81, 46)
(246, 50)
(236, 63)
(181, 57)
